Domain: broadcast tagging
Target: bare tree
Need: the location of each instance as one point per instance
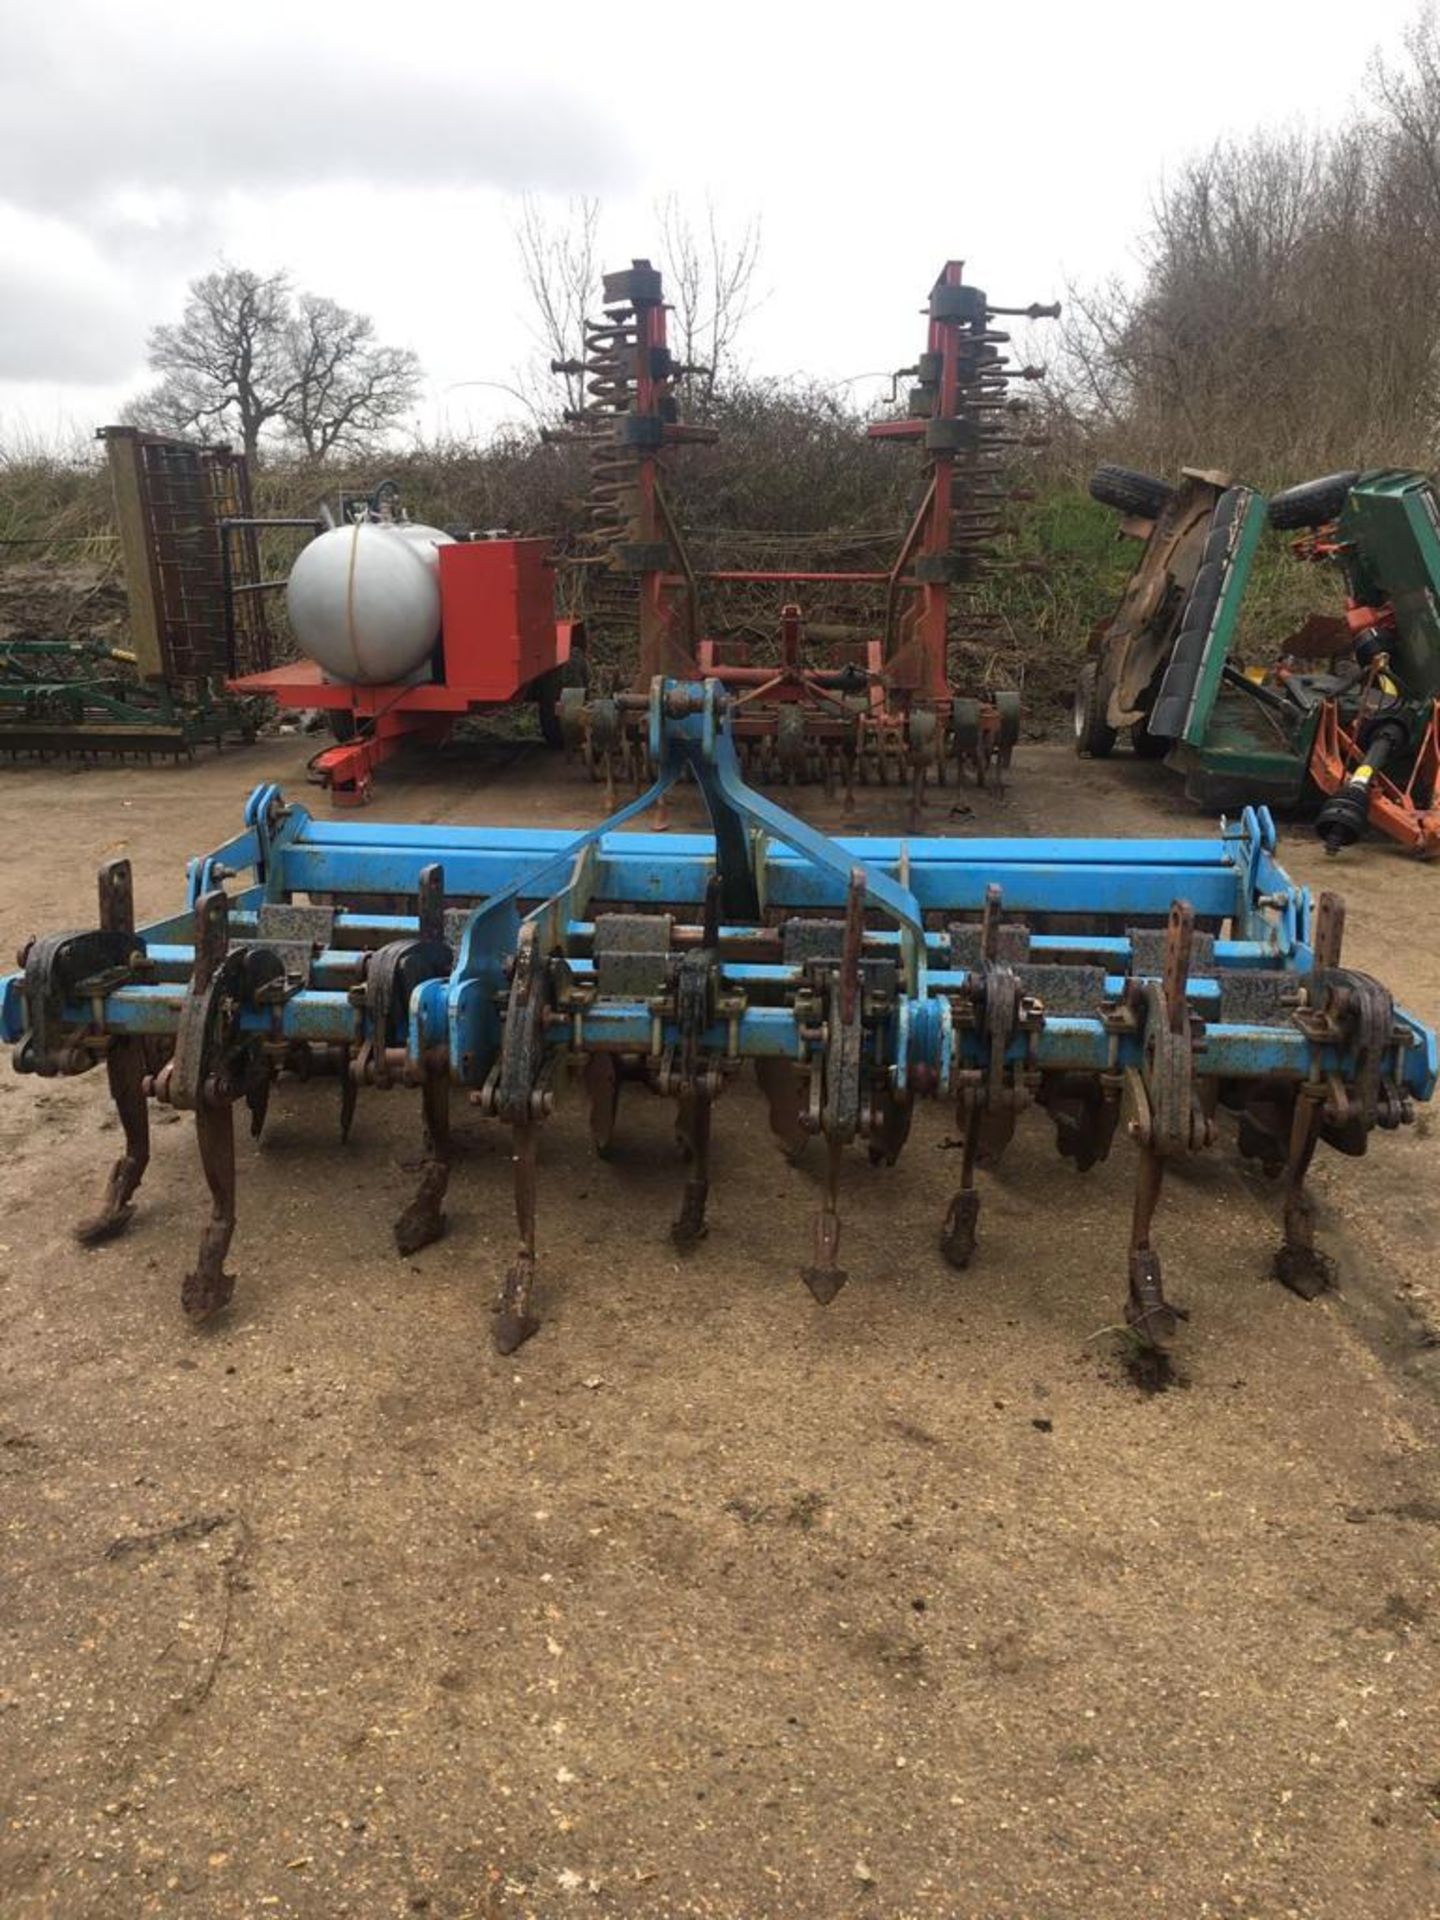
(711, 282)
(347, 387)
(1287, 312)
(250, 360)
(225, 367)
(560, 268)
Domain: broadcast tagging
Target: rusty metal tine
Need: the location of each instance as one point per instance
(825, 1276)
(514, 1322)
(957, 1236)
(1329, 932)
(694, 1125)
(208, 1287)
(1179, 944)
(423, 1220)
(1299, 1264)
(602, 1084)
(125, 1069)
(430, 901)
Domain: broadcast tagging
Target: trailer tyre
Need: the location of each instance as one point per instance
(574, 672)
(1129, 492)
(1094, 736)
(1312, 504)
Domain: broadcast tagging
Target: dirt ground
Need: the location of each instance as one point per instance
(710, 1601)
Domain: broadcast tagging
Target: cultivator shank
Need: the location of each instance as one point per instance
(1158, 983)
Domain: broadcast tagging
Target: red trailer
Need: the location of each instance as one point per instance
(499, 641)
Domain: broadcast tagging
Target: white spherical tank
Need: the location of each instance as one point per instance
(364, 600)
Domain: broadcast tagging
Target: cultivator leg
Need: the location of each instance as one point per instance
(1150, 1316)
(202, 1078)
(693, 1132)
(825, 1276)
(514, 1321)
(125, 1068)
(957, 1236)
(1168, 1121)
(784, 1089)
(602, 1084)
(208, 1288)
(424, 1219)
(1299, 1264)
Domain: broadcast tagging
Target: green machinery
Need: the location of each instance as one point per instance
(180, 508)
(1348, 717)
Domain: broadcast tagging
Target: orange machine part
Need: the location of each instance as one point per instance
(497, 617)
(1409, 814)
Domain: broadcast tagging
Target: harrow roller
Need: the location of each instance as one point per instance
(1163, 983)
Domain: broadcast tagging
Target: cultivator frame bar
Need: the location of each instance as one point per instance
(880, 704)
(1160, 982)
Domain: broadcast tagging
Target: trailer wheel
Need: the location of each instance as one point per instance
(1312, 504)
(1130, 492)
(574, 672)
(1094, 736)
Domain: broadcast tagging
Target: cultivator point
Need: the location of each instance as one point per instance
(1163, 983)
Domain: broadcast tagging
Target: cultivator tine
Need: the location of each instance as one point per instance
(348, 1092)
(423, 1220)
(1148, 1313)
(957, 1236)
(1168, 1123)
(125, 1069)
(602, 1084)
(890, 1129)
(208, 1287)
(198, 1078)
(519, 1098)
(1299, 1263)
(257, 1097)
(840, 1091)
(693, 1127)
(825, 1276)
(783, 1086)
(514, 1321)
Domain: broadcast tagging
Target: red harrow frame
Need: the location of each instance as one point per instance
(878, 704)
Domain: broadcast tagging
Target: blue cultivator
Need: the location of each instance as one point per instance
(1165, 980)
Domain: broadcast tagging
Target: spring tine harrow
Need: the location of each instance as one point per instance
(1168, 984)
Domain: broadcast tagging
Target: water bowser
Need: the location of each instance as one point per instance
(364, 601)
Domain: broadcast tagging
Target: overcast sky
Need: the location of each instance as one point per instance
(377, 152)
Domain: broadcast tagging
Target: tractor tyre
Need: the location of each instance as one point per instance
(1146, 745)
(1314, 504)
(1129, 492)
(1094, 736)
